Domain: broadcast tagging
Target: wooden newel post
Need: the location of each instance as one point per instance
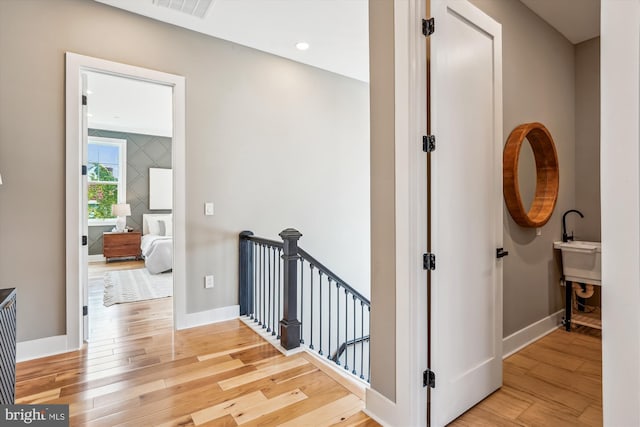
(290, 325)
(245, 274)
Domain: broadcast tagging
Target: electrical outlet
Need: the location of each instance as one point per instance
(538, 231)
(208, 281)
(208, 208)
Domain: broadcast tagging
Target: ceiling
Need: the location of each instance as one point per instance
(337, 31)
(128, 105)
(577, 20)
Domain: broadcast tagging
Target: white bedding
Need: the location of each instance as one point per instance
(157, 243)
(157, 252)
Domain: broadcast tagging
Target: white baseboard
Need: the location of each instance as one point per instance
(381, 409)
(518, 340)
(191, 320)
(96, 258)
(34, 349)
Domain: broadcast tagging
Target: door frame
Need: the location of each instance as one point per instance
(410, 124)
(75, 64)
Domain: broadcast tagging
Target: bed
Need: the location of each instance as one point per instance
(157, 242)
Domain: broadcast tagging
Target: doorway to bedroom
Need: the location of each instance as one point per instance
(128, 194)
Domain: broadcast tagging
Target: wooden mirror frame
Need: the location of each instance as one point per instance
(547, 175)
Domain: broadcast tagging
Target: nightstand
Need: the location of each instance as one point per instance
(121, 245)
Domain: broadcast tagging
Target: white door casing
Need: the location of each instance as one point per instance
(84, 251)
(75, 208)
(466, 194)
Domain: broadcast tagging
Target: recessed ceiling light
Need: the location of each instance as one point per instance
(302, 45)
(89, 115)
(89, 92)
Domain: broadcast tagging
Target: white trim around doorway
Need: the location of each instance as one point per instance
(74, 65)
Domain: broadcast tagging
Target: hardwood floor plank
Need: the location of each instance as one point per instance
(230, 351)
(205, 372)
(552, 356)
(239, 404)
(548, 413)
(41, 397)
(263, 372)
(329, 414)
(480, 417)
(507, 403)
(592, 416)
(562, 378)
(262, 409)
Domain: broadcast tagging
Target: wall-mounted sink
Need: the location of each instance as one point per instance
(581, 261)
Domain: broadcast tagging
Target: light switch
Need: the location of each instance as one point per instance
(538, 231)
(208, 208)
(208, 282)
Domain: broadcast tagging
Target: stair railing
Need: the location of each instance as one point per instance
(309, 305)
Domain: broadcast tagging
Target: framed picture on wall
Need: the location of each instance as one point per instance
(160, 188)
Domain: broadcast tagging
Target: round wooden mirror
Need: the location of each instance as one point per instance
(547, 176)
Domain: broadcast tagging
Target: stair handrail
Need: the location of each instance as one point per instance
(311, 260)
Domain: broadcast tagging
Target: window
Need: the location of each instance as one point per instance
(106, 176)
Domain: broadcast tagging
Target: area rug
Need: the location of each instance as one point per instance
(123, 286)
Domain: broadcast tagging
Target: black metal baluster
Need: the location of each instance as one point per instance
(262, 317)
(273, 293)
(301, 301)
(346, 329)
(329, 328)
(362, 336)
(337, 360)
(268, 290)
(279, 290)
(320, 285)
(311, 291)
(369, 362)
(353, 371)
(254, 315)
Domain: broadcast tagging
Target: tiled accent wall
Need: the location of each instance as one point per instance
(143, 152)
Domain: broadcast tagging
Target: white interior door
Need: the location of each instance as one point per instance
(84, 215)
(466, 198)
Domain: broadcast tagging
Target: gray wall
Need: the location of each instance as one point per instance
(383, 226)
(538, 85)
(143, 152)
(588, 139)
(271, 142)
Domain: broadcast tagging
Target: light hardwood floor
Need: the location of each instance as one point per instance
(555, 381)
(137, 371)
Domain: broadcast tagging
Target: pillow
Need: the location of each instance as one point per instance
(166, 226)
(153, 225)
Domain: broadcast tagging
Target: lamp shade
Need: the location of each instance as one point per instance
(121, 209)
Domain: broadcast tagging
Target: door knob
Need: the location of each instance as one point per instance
(500, 253)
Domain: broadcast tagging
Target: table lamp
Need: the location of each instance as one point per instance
(121, 210)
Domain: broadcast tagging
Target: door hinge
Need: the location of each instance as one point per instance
(84, 97)
(85, 310)
(429, 379)
(501, 253)
(84, 240)
(84, 170)
(429, 143)
(428, 26)
(429, 261)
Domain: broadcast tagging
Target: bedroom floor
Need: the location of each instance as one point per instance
(109, 322)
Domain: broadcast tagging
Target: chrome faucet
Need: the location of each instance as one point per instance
(565, 236)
